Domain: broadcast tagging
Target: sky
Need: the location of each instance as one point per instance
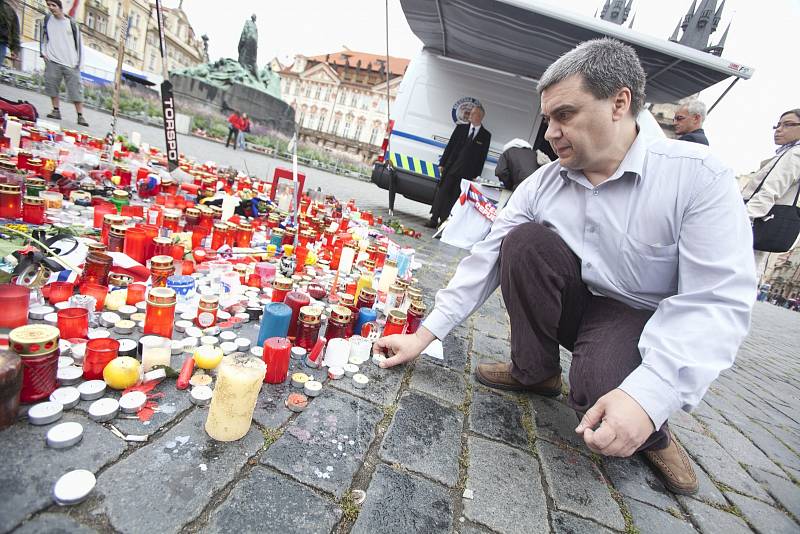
(739, 128)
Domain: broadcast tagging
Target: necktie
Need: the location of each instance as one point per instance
(471, 133)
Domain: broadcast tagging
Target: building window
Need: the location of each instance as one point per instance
(318, 92)
(152, 61)
(297, 88)
(342, 96)
(373, 137)
(327, 93)
(90, 19)
(312, 119)
(335, 128)
(354, 100)
(102, 25)
(308, 90)
(347, 123)
(302, 119)
(37, 30)
(359, 127)
(321, 122)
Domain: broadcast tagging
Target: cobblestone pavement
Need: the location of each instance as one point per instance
(433, 450)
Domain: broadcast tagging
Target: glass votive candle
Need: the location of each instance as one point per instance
(59, 291)
(136, 293)
(99, 352)
(97, 291)
(135, 244)
(100, 211)
(53, 199)
(33, 210)
(10, 201)
(97, 268)
(73, 323)
(14, 301)
(156, 350)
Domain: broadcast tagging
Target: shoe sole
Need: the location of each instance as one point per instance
(505, 387)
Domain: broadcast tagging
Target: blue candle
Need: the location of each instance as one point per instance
(365, 315)
(274, 322)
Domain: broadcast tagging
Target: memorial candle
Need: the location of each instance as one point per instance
(277, 352)
(274, 322)
(239, 380)
(295, 300)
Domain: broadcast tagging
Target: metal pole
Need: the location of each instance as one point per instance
(725, 92)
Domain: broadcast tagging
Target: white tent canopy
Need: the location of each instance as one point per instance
(524, 37)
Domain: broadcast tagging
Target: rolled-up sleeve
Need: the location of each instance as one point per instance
(695, 334)
(478, 274)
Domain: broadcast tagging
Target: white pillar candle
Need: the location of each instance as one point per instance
(239, 380)
(346, 260)
(155, 351)
(337, 352)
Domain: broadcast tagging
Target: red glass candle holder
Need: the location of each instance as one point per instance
(151, 231)
(276, 355)
(136, 293)
(97, 291)
(177, 252)
(99, 353)
(59, 291)
(97, 268)
(295, 300)
(73, 323)
(33, 209)
(100, 211)
(198, 235)
(160, 315)
(10, 201)
(14, 301)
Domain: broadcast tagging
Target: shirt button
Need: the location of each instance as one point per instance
(589, 265)
(595, 192)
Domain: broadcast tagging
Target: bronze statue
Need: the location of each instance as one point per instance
(248, 46)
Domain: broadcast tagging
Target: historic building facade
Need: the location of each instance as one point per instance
(340, 99)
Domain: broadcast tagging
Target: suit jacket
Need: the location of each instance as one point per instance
(697, 136)
(464, 159)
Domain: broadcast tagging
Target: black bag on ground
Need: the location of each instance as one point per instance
(776, 231)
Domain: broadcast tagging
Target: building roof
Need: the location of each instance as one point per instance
(397, 65)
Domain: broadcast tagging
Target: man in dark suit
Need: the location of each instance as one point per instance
(463, 157)
(688, 122)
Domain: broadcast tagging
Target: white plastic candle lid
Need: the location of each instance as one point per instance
(78, 351)
(298, 353)
(63, 305)
(223, 315)
(377, 359)
(190, 342)
(258, 352)
(242, 343)
(45, 413)
(193, 331)
(228, 347)
(97, 333)
(182, 325)
(245, 317)
(104, 409)
(201, 395)
(37, 313)
(126, 311)
(188, 316)
(360, 381)
(350, 369)
(141, 306)
(132, 402)
(211, 330)
(68, 376)
(109, 318)
(65, 361)
(68, 397)
(209, 340)
(51, 318)
(312, 388)
(91, 390)
(74, 487)
(127, 347)
(177, 346)
(227, 336)
(64, 435)
(124, 326)
(155, 374)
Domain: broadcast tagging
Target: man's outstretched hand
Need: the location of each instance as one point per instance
(623, 425)
(402, 348)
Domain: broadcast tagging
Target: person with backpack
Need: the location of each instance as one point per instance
(61, 48)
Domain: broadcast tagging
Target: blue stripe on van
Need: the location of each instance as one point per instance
(436, 171)
(411, 165)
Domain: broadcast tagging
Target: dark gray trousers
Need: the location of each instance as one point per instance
(549, 305)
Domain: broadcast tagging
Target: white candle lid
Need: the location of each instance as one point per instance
(64, 435)
(65, 361)
(68, 397)
(45, 413)
(228, 347)
(91, 390)
(68, 376)
(74, 487)
(227, 336)
(97, 333)
(104, 409)
(201, 395)
(132, 401)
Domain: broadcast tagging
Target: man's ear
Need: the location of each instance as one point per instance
(621, 103)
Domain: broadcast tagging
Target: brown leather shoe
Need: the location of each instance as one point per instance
(498, 375)
(673, 467)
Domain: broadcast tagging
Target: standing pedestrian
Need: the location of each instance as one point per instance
(234, 123)
(9, 32)
(778, 179)
(463, 157)
(244, 127)
(61, 47)
(688, 122)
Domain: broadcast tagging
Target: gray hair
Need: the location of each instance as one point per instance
(606, 66)
(696, 107)
(480, 107)
(796, 111)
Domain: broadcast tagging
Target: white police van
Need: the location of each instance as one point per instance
(492, 52)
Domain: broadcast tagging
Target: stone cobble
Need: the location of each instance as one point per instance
(744, 438)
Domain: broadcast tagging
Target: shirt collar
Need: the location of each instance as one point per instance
(632, 163)
(783, 148)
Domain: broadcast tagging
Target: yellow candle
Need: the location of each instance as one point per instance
(364, 281)
(239, 380)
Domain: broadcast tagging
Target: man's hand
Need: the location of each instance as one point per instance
(402, 348)
(624, 425)
(441, 170)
